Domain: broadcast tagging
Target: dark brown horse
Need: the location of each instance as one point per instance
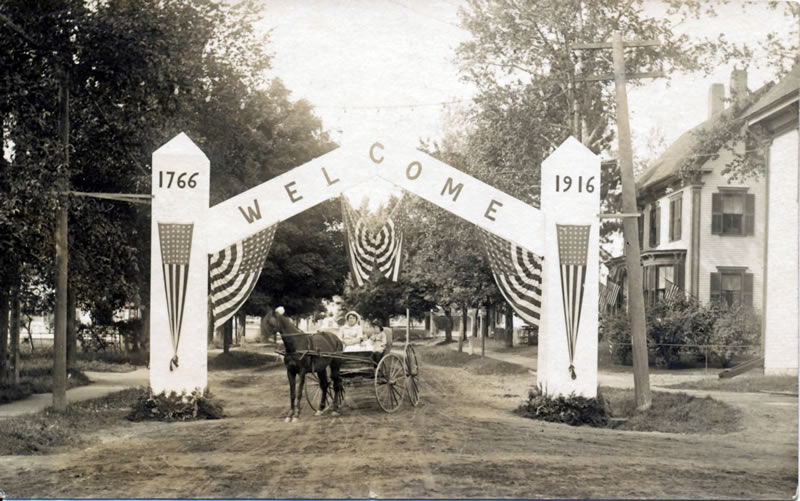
(305, 353)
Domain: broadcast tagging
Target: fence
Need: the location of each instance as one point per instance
(652, 346)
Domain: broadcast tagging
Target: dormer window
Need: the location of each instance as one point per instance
(733, 212)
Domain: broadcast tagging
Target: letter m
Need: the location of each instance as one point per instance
(251, 214)
(455, 191)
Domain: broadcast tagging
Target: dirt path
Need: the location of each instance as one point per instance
(462, 441)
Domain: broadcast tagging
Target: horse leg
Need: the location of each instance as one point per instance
(338, 386)
(323, 385)
(298, 405)
(291, 375)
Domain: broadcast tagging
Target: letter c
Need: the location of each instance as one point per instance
(372, 152)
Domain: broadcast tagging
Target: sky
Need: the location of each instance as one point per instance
(389, 66)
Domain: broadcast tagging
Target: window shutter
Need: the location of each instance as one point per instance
(716, 213)
(658, 225)
(749, 214)
(672, 220)
(679, 275)
(747, 290)
(716, 286)
(678, 219)
(640, 219)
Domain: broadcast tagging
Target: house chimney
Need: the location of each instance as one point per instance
(716, 99)
(738, 85)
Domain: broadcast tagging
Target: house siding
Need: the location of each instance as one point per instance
(730, 250)
(781, 306)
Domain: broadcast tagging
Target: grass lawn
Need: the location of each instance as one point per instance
(38, 433)
(444, 356)
(743, 383)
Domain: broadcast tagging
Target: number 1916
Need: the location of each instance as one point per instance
(181, 182)
(565, 183)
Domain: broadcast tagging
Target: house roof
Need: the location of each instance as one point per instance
(785, 91)
(667, 165)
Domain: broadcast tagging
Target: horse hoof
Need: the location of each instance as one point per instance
(287, 420)
(318, 413)
(295, 419)
(334, 413)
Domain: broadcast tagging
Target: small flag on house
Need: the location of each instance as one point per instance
(612, 291)
(573, 247)
(518, 274)
(367, 250)
(234, 271)
(672, 291)
(176, 249)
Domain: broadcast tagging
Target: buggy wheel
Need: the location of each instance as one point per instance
(313, 391)
(390, 378)
(412, 375)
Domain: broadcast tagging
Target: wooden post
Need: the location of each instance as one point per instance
(62, 261)
(15, 307)
(3, 334)
(641, 378)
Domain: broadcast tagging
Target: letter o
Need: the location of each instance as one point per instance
(408, 170)
(372, 152)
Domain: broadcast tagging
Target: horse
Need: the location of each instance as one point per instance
(299, 361)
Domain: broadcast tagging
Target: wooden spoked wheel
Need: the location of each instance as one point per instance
(313, 391)
(390, 381)
(412, 375)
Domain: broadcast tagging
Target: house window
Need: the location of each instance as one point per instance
(733, 213)
(655, 219)
(675, 209)
(732, 287)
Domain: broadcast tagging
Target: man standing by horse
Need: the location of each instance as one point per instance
(307, 353)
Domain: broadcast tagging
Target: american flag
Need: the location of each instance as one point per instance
(672, 291)
(234, 271)
(612, 291)
(176, 250)
(518, 274)
(368, 250)
(573, 247)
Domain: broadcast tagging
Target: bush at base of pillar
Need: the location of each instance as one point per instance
(174, 407)
(572, 410)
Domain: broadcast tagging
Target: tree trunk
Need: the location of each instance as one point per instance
(15, 307)
(485, 325)
(3, 335)
(448, 326)
(28, 330)
(463, 331)
(241, 326)
(428, 321)
(144, 335)
(475, 323)
(210, 316)
(509, 327)
(227, 335)
(72, 338)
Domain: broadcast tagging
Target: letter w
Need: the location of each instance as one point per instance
(251, 214)
(455, 191)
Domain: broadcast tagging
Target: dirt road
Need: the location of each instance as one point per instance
(462, 441)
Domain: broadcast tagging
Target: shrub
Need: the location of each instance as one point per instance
(572, 410)
(736, 331)
(174, 407)
(615, 331)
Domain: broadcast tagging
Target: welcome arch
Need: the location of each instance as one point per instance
(185, 230)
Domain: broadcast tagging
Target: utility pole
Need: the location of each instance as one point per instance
(62, 257)
(636, 311)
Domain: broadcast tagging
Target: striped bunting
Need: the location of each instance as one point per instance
(573, 247)
(518, 274)
(176, 250)
(234, 271)
(368, 250)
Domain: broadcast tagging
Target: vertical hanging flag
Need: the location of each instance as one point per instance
(612, 291)
(573, 247)
(176, 247)
(518, 274)
(368, 250)
(234, 271)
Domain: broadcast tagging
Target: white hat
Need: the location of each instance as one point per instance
(280, 310)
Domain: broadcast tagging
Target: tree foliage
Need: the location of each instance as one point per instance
(139, 73)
